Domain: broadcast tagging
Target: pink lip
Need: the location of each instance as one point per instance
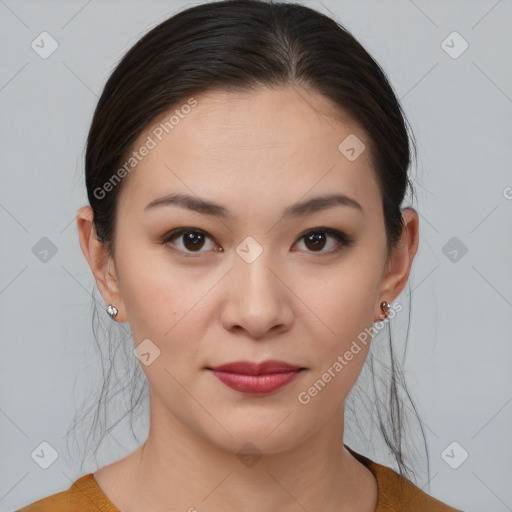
(256, 378)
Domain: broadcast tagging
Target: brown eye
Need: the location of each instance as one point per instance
(316, 240)
(192, 240)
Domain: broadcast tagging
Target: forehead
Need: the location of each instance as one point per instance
(252, 146)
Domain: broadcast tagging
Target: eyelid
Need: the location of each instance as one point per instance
(335, 233)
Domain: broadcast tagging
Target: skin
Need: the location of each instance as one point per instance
(254, 153)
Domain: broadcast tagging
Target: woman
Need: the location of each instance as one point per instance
(245, 170)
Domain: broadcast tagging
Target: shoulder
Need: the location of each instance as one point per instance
(84, 495)
(401, 495)
(54, 503)
(397, 494)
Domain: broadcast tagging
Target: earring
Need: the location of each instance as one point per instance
(112, 311)
(385, 306)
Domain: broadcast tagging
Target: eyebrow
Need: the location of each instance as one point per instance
(206, 207)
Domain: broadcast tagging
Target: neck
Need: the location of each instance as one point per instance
(181, 467)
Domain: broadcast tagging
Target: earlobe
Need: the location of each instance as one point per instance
(99, 259)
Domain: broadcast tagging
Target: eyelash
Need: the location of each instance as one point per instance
(343, 239)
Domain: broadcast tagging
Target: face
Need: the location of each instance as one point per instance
(243, 281)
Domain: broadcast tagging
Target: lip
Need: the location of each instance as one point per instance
(249, 368)
(256, 378)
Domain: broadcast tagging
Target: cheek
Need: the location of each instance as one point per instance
(157, 295)
(344, 306)
(164, 304)
(344, 300)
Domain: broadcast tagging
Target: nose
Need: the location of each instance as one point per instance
(259, 300)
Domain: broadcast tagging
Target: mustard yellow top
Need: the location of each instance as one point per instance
(395, 494)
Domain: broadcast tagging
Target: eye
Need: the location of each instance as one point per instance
(193, 240)
(315, 240)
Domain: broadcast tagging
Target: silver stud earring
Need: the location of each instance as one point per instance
(112, 311)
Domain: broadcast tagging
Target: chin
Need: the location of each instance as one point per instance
(262, 436)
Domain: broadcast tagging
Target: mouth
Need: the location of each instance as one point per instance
(256, 378)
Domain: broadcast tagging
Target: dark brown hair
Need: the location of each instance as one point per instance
(240, 45)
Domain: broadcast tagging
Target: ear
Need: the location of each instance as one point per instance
(398, 266)
(100, 261)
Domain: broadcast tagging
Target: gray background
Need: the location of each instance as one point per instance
(460, 351)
